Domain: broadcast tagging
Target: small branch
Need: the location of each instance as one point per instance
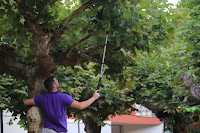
(88, 58)
(56, 36)
(76, 43)
(22, 10)
(131, 64)
(58, 33)
(31, 27)
(78, 11)
(92, 48)
(39, 17)
(84, 67)
(193, 103)
(60, 58)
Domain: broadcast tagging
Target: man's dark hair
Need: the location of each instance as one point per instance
(48, 83)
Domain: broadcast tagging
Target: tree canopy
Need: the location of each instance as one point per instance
(63, 38)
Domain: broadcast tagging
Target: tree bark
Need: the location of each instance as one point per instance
(35, 120)
(191, 85)
(183, 122)
(34, 114)
(91, 126)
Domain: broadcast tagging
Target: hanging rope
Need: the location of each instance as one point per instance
(104, 52)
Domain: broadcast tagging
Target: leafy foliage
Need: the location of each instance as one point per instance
(13, 92)
(157, 79)
(131, 25)
(187, 120)
(157, 75)
(81, 84)
(190, 29)
(134, 26)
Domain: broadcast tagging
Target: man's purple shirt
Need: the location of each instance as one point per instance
(54, 105)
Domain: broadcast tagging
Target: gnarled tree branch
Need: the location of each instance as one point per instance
(39, 17)
(22, 10)
(31, 27)
(59, 32)
(10, 65)
(61, 58)
(92, 48)
(76, 43)
(191, 85)
(88, 58)
(78, 11)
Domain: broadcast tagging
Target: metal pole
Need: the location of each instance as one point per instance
(1, 122)
(78, 126)
(104, 53)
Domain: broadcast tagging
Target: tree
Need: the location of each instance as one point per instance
(190, 30)
(39, 36)
(159, 87)
(158, 84)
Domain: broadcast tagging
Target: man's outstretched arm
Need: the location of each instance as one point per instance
(29, 102)
(85, 104)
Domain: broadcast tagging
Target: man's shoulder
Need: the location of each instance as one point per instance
(65, 95)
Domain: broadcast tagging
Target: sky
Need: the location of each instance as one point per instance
(173, 1)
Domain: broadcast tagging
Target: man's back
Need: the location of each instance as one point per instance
(54, 105)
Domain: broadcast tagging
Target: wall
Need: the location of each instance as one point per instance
(143, 128)
(73, 127)
(14, 128)
(116, 129)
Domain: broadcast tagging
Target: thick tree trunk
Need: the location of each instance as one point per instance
(35, 120)
(34, 114)
(91, 126)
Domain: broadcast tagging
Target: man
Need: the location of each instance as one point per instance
(54, 106)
